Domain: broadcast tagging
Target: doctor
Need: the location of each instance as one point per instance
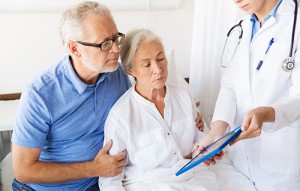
(260, 90)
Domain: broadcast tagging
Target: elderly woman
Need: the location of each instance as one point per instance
(154, 123)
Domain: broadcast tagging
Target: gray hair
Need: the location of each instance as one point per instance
(132, 41)
(71, 22)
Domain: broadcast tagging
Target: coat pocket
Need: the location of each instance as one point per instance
(280, 151)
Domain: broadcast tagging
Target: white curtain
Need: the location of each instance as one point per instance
(212, 20)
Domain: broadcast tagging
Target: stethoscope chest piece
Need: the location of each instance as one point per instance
(288, 64)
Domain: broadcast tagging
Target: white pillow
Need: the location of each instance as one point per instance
(172, 77)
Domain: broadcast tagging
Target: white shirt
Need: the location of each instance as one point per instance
(134, 124)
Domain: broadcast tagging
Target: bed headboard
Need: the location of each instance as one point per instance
(11, 96)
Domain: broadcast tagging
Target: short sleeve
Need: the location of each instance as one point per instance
(32, 120)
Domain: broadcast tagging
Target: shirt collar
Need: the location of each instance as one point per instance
(79, 85)
(255, 22)
(271, 14)
(144, 101)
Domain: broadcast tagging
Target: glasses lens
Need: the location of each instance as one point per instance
(106, 45)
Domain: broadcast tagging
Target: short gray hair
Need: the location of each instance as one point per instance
(71, 21)
(132, 41)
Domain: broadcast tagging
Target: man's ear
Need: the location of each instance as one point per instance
(73, 49)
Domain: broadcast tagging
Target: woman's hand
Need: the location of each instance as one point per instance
(208, 139)
(218, 129)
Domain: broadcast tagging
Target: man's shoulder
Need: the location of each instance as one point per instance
(119, 72)
(119, 80)
(48, 77)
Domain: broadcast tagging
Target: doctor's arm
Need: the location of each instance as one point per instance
(224, 114)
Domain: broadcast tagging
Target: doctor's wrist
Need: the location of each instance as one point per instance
(268, 113)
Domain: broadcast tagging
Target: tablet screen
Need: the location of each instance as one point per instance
(211, 150)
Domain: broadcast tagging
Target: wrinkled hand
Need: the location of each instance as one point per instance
(199, 120)
(106, 165)
(208, 139)
(253, 121)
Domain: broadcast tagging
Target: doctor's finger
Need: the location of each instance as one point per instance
(247, 135)
(255, 133)
(219, 156)
(209, 162)
(242, 136)
(246, 123)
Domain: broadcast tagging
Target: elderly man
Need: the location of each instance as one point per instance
(58, 136)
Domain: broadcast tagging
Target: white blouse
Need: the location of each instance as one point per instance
(151, 141)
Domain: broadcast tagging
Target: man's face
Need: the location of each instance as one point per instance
(97, 29)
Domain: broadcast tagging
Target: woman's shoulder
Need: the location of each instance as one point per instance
(123, 101)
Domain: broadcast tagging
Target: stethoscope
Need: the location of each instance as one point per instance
(287, 65)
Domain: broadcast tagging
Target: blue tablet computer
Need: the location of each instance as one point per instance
(211, 150)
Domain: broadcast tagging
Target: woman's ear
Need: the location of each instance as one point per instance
(129, 71)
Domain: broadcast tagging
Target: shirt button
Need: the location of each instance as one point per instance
(169, 133)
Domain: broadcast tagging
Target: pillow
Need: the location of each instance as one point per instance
(172, 77)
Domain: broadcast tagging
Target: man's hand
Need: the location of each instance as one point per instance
(199, 120)
(106, 165)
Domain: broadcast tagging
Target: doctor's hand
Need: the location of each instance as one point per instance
(106, 165)
(253, 121)
(199, 120)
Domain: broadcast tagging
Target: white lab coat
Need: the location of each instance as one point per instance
(272, 160)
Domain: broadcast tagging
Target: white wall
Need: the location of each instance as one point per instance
(30, 42)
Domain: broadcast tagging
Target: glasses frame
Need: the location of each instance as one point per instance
(111, 41)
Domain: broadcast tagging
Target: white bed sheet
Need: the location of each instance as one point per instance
(229, 179)
(219, 177)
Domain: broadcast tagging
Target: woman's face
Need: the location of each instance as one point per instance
(260, 8)
(248, 6)
(150, 66)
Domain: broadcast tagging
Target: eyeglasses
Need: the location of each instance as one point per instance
(106, 45)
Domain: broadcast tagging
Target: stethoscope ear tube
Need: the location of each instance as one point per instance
(237, 25)
(294, 27)
(289, 63)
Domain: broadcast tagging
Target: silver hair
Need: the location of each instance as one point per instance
(71, 22)
(132, 41)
